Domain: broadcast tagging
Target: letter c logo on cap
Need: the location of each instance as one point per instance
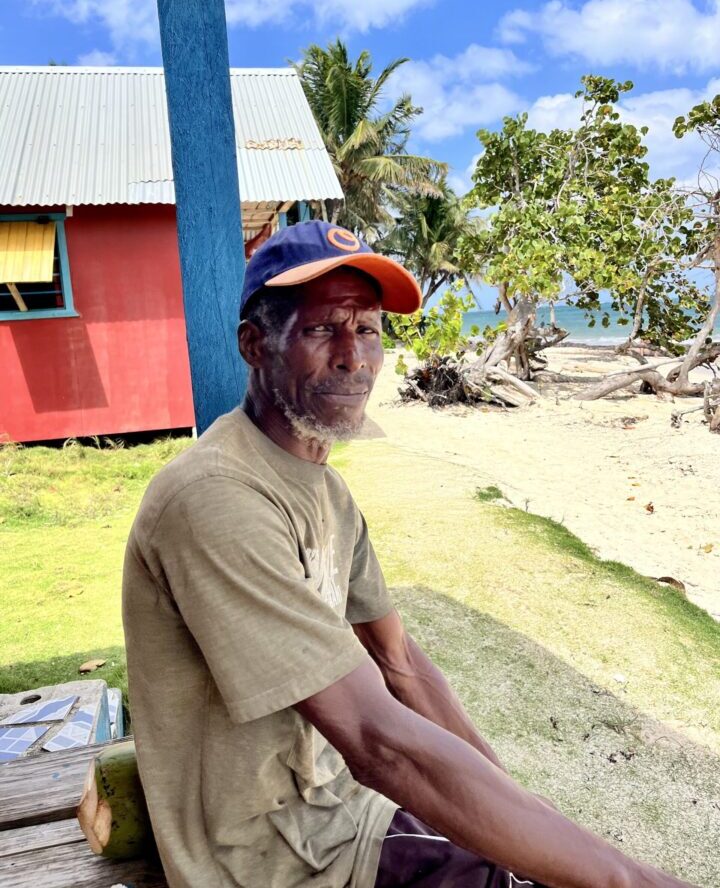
(343, 240)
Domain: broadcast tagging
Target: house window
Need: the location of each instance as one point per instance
(34, 271)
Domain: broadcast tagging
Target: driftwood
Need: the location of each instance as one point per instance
(439, 382)
(641, 351)
(541, 338)
(675, 382)
(711, 406)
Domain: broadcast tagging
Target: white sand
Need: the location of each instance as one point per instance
(594, 466)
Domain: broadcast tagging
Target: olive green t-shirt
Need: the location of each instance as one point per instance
(244, 570)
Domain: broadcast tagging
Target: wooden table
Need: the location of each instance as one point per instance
(41, 843)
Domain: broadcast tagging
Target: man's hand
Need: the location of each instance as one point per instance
(413, 679)
(445, 782)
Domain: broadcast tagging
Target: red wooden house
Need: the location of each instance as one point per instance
(92, 334)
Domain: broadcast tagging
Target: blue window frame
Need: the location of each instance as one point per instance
(48, 300)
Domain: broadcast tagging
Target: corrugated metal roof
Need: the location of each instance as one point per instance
(100, 136)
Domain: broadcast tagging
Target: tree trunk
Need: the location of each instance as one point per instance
(706, 331)
(677, 381)
(638, 316)
(504, 299)
(431, 286)
(505, 346)
(488, 369)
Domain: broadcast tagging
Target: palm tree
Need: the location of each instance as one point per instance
(367, 147)
(426, 237)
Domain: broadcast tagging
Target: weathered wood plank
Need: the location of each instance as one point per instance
(37, 838)
(75, 866)
(44, 788)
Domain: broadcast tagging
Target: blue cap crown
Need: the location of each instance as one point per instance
(294, 246)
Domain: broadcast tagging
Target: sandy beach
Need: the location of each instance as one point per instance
(614, 471)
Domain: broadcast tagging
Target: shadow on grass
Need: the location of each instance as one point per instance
(17, 677)
(642, 784)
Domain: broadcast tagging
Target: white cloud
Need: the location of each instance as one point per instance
(253, 13)
(133, 24)
(480, 63)
(97, 58)
(657, 110)
(130, 24)
(347, 15)
(361, 15)
(460, 93)
(673, 35)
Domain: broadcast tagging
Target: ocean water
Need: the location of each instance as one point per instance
(571, 319)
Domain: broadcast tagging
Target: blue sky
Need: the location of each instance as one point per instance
(472, 62)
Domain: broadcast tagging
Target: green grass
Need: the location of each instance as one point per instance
(42, 486)
(64, 518)
(598, 687)
(488, 494)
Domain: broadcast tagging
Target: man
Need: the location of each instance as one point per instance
(264, 652)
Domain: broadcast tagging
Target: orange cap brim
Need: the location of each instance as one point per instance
(399, 290)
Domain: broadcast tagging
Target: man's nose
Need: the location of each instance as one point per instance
(348, 354)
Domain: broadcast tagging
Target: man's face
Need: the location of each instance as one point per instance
(323, 365)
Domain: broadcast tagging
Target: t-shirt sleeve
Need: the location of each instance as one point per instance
(230, 559)
(368, 597)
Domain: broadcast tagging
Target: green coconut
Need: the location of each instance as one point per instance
(112, 811)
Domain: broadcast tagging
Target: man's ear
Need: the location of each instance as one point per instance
(252, 343)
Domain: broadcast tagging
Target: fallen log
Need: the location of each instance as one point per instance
(650, 375)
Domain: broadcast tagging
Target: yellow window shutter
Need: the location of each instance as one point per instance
(27, 250)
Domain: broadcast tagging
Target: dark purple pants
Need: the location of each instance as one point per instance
(415, 856)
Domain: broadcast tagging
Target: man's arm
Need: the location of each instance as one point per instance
(416, 681)
(445, 782)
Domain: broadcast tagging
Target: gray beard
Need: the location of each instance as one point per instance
(309, 428)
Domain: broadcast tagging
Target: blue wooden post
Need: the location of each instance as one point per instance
(193, 35)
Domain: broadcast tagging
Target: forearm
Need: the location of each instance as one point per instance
(415, 681)
(445, 783)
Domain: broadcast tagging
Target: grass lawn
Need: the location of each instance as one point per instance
(599, 688)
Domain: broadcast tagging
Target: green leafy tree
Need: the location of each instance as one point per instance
(437, 340)
(367, 146)
(574, 214)
(686, 241)
(439, 332)
(704, 234)
(427, 235)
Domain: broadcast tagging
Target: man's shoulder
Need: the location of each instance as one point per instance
(221, 452)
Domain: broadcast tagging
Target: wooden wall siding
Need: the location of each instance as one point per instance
(122, 365)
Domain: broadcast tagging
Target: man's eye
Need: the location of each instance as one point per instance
(369, 330)
(318, 328)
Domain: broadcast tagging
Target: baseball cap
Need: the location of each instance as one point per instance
(303, 252)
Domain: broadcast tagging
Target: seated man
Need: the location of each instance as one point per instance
(289, 731)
